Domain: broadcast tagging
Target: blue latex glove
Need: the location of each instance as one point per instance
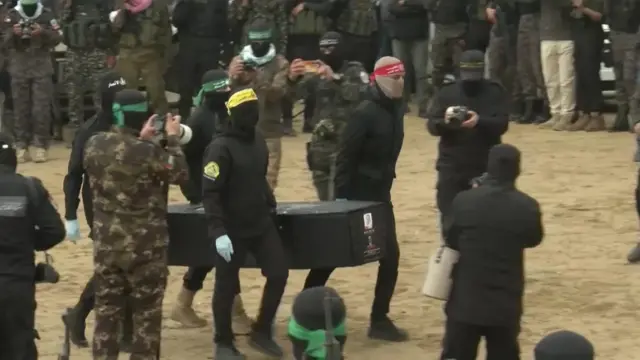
(73, 230)
(224, 247)
(341, 199)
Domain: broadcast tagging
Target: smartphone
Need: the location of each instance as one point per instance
(311, 66)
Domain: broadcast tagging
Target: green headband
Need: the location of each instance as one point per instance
(119, 110)
(208, 87)
(316, 339)
(259, 35)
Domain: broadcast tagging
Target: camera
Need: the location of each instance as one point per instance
(456, 115)
(26, 28)
(185, 131)
(249, 64)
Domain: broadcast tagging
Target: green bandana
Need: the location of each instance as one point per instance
(208, 87)
(119, 110)
(259, 35)
(315, 339)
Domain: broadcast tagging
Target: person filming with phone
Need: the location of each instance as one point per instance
(470, 116)
(128, 173)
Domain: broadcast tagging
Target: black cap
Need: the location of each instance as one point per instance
(472, 65)
(112, 82)
(564, 345)
(330, 38)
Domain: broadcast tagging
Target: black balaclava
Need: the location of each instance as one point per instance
(29, 6)
(564, 345)
(503, 165)
(214, 92)
(130, 110)
(260, 37)
(243, 111)
(8, 155)
(110, 84)
(471, 68)
(331, 50)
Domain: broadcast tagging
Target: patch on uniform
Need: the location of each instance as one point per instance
(364, 77)
(212, 170)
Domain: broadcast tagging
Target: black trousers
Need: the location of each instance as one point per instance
(269, 253)
(587, 54)
(305, 47)
(461, 341)
(194, 59)
(637, 195)
(194, 277)
(446, 190)
(17, 320)
(361, 48)
(387, 274)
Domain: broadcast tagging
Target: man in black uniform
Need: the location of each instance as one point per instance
(365, 169)
(491, 226)
(465, 143)
(29, 223)
(203, 32)
(239, 206)
(74, 182)
(209, 119)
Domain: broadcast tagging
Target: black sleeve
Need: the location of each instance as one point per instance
(350, 145)
(495, 120)
(451, 226)
(180, 16)
(195, 148)
(532, 228)
(269, 195)
(50, 230)
(435, 123)
(73, 180)
(217, 164)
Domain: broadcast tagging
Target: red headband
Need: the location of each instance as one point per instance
(388, 70)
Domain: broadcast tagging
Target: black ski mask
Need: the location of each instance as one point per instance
(214, 92)
(243, 111)
(130, 110)
(260, 36)
(110, 84)
(8, 156)
(472, 72)
(330, 50)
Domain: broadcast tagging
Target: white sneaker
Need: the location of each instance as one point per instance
(23, 156)
(40, 155)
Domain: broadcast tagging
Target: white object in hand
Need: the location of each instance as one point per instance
(185, 134)
(437, 283)
(448, 113)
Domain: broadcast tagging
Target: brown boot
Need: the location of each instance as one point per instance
(583, 121)
(550, 123)
(242, 323)
(183, 311)
(564, 122)
(596, 123)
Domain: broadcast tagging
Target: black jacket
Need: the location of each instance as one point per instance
(451, 11)
(201, 21)
(75, 180)
(462, 153)
(29, 223)
(368, 150)
(204, 123)
(235, 194)
(491, 227)
(409, 21)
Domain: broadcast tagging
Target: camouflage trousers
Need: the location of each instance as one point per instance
(447, 45)
(32, 109)
(141, 283)
(150, 66)
(528, 58)
(502, 61)
(626, 54)
(84, 70)
(323, 183)
(275, 157)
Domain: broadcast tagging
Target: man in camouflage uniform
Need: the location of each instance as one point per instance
(451, 20)
(31, 32)
(85, 29)
(128, 176)
(267, 73)
(338, 87)
(145, 39)
(625, 47)
(243, 13)
(357, 22)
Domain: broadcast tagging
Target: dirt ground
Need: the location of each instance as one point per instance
(577, 279)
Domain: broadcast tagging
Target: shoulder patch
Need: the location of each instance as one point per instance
(212, 170)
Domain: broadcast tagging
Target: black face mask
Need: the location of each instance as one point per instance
(333, 59)
(29, 10)
(245, 117)
(135, 120)
(216, 100)
(260, 49)
(472, 87)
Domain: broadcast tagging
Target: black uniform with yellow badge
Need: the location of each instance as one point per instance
(239, 204)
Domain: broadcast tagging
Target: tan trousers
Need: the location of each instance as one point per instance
(556, 58)
(275, 156)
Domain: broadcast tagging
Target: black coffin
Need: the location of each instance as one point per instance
(315, 234)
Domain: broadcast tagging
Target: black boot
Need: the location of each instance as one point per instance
(386, 330)
(77, 316)
(307, 126)
(517, 111)
(542, 111)
(528, 116)
(227, 352)
(621, 122)
(264, 343)
(287, 123)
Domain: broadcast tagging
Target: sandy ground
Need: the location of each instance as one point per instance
(577, 279)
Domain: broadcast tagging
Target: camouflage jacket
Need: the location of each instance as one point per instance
(30, 55)
(271, 10)
(357, 17)
(128, 179)
(149, 29)
(335, 100)
(271, 83)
